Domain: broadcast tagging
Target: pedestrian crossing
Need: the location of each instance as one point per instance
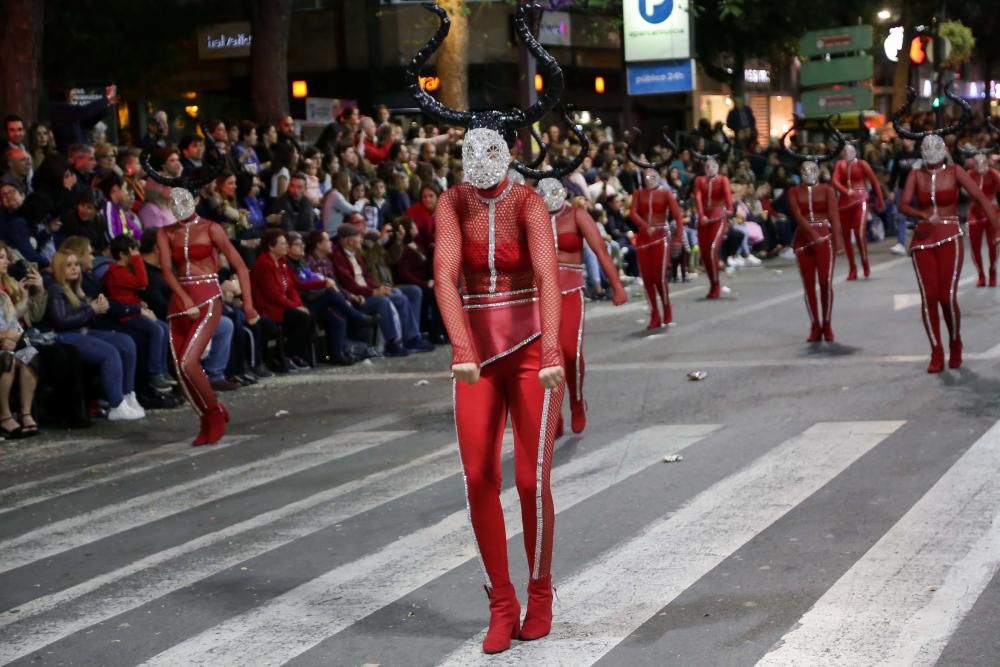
(331, 563)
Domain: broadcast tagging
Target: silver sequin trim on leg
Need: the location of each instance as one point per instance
(539, 515)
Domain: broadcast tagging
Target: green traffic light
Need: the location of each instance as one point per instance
(937, 102)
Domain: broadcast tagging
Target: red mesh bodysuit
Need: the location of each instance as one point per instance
(937, 250)
(571, 227)
(498, 244)
(189, 258)
(713, 199)
(649, 213)
(979, 226)
(815, 211)
(851, 179)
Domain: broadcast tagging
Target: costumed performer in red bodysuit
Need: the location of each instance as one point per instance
(988, 179)
(495, 238)
(851, 178)
(936, 248)
(650, 205)
(814, 207)
(189, 257)
(713, 200)
(571, 226)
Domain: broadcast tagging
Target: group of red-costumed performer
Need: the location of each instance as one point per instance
(814, 207)
(189, 258)
(987, 178)
(936, 248)
(713, 200)
(494, 237)
(851, 178)
(651, 204)
(571, 227)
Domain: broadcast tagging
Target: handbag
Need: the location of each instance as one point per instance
(36, 337)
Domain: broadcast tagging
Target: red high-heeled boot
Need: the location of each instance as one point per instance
(505, 617)
(936, 364)
(828, 332)
(538, 619)
(216, 424)
(955, 359)
(578, 410)
(815, 334)
(202, 437)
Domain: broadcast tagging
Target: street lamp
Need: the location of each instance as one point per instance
(884, 15)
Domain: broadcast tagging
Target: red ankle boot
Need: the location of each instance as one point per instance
(505, 617)
(216, 424)
(654, 322)
(937, 360)
(867, 269)
(955, 359)
(828, 332)
(993, 277)
(981, 281)
(578, 409)
(852, 273)
(538, 619)
(202, 437)
(668, 315)
(815, 334)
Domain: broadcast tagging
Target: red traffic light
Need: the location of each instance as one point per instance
(919, 49)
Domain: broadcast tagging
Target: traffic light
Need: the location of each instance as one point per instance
(937, 102)
(920, 48)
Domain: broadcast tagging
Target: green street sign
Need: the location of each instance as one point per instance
(822, 103)
(836, 40)
(837, 70)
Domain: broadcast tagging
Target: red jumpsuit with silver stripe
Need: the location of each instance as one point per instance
(649, 213)
(851, 179)
(814, 208)
(979, 225)
(714, 202)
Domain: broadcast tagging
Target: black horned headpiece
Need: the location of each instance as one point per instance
(213, 164)
(506, 123)
(633, 152)
(836, 146)
(955, 128)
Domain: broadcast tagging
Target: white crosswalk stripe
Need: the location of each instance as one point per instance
(898, 603)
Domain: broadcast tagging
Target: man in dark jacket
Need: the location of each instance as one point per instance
(14, 229)
(294, 210)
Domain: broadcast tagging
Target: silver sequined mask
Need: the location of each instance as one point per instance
(933, 150)
(982, 163)
(810, 173)
(514, 176)
(554, 194)
(850, 153)
(485, 158)
(651, 179)
(711, 168)
(181, 204)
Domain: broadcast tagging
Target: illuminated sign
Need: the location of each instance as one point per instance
(555, 29)
(430, 83)
(656, 30)
(756, 76)
(676, 77)
(225, 40)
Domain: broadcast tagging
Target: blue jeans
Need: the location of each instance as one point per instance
(218, 357)
(592, 267)
(893, 213)
(114, 355)
(389, 320)
(155, 333)
(413, 298)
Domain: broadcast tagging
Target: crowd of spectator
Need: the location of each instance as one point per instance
(339, 236)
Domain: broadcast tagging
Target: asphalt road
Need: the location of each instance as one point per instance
(834, 505)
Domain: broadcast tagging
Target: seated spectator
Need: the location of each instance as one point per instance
(107, 158)
(397, 195)
(156, 295)
(86, 220)
(376, 210)
(14, 229)
(118, 209)
(316, 184)
(277, 299)
(376, 141)
(337, 204)
(622, 231)
(41, 144)
(294, 211)
(219, 204)
(18, 358)
(155, 211)
(284, 162)
(71, 315)
(413, 268)
(244, 151)
(134, 177)
(123, 281)
(374, 298)
(422, 214)
(18, 171)
(192, 150)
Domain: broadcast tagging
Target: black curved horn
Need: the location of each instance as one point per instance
(955, 128)
(543, 150)
(558, 172)
(547, 66)
(665, 133)
(631, 150)
(839, 142)
(911, 97)
(726, 147)
(426, 102)
(212, 165)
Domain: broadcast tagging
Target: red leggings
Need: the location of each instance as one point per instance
(852, 220)
(654, 267)
(188, 340)
(509, 385)
(816, 265)
(978, 229)
(938, 270)
(709, 238)
(571, 325)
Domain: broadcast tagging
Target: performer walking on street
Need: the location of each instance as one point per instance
(571, 226)
(495, 238)
(988, 180)
(713, 200)
(851, 178)
(816, 241)
(936, 248)
(650, 206)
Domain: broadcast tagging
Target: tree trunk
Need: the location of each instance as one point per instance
(453, 58)
(21, 24)
(269, 59)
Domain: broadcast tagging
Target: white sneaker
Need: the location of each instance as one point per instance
(787, 253)
(898, 249)
(133, 403)
(731, 262)
(725, 290)
(753, 260)
(730, 270)
(739, 262)
(123, 413)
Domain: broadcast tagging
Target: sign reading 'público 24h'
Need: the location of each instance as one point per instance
(656, 30)
(661, 78)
